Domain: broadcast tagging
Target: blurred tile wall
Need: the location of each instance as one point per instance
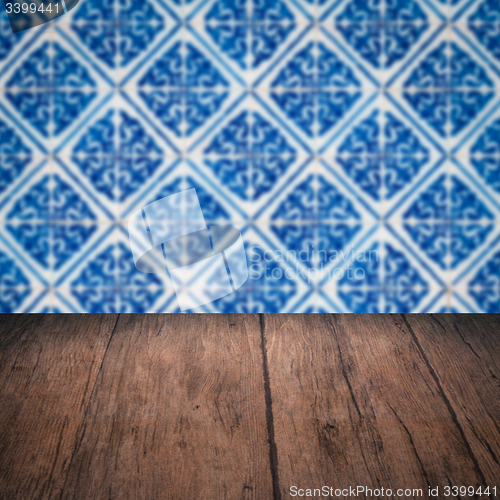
(354, 143)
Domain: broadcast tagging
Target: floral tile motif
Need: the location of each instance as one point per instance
(249, 31)
(121, 287)
(382, 154)
(50, 89)
(249, 155)
(117, 32)
(117, 155)
(14, 155)
(46, 221)
(391, 284)
(448, 221)
(484, 22)
(382, 32)
(448, 89)
(355, 144)
(317, 89)
(183, 89)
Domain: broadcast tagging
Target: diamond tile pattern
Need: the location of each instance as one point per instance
(354, 143)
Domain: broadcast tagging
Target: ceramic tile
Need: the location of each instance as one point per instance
(354, 144)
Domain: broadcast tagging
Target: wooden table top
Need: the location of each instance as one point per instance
(246, 406)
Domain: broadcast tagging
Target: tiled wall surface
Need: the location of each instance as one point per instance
(355, 144)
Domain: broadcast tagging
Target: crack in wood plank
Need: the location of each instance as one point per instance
(448, 404)
(273, 451)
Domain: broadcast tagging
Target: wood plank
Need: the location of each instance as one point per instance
(463, 352)
(355, 404)
(178, 412)
(47, 371)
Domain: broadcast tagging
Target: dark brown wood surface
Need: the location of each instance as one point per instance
(247, 406)
(48, 370)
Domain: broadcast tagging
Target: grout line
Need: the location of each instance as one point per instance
(89, 402)
(273, 450)
(447, 402)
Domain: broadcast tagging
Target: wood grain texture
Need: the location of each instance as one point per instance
(463, 352)
(178, 412)
(354, 403)
(245, 406)
(47, 372)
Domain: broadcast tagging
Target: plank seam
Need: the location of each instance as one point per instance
(273, 450)
(447, 402)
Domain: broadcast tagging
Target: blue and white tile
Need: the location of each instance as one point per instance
(106, 280)
(382, 274)
(185, 175)
(480, 25)
(50, 221)
(116, 154)
(448, 222)
(251, 156)
(20, 157)
(478, 156)
(272, 285)
(19, 284)
(451, 10)
(478, 288)
(335, 125)
(382, 36)
(316, 89)
(447, 90)
(248, 36)
(183, 90)
(382, 156)
(314, 214)
(49, 89)
(116, 36)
